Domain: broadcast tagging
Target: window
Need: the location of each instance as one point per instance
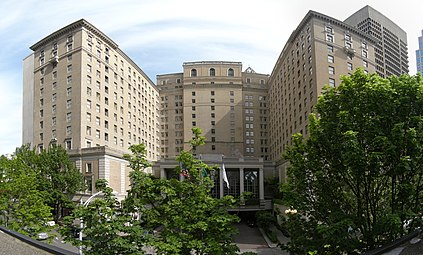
(348, 37)
(212, 72)
(331, 82)
(69, 47)
(68, 104)
(329, 29)
(365, 63)
(69, 117)
(364, 53)
(330, 48)
(88, 168)
(331, 70)
(69, 79)
(68, 130)
(193, 72)
(329, 38)
(231, 93)
(68, 144)
(350, 66)
(231, 72)
(193, 93)
(330, 59)
(69, 68)
(212, 93)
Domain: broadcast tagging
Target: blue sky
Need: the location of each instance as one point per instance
(159, 35)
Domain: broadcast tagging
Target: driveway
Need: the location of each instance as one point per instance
(250, 239)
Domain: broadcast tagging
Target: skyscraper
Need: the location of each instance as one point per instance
(419, 55)
(319, 50)
(82, 92)
(391, 50)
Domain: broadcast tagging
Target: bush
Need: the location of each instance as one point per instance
(265, 219)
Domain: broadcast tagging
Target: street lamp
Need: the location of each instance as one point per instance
(85, 204)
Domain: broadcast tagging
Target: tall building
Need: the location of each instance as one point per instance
(419, 55)
(82, 92)
(319, 50)
(391, 50)
(231, 108)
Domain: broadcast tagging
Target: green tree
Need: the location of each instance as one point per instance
(359, 176)
(107, 227)
(187, 218)
(22, 203)
(60, 178)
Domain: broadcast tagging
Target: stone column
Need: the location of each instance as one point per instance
(241, 185)
(261, 183)
(162, 172)
(241, 180)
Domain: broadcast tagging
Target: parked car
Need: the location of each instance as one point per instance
(42, 236)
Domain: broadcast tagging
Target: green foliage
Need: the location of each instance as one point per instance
(60, 178)
(188, 218)
(169, 216)
(107, 228)
(265, 219)
(22, 202)
(359, 175)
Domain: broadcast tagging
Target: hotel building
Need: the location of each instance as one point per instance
(82, 92)
(319, 50)
(231, 108)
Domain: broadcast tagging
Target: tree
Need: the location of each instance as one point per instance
(22, 203)
(187, 218)
(107, 227)
(359, 176)
(60, 178)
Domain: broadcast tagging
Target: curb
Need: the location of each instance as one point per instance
(40, 245)
(270, 244)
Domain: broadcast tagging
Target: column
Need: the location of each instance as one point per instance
(241, 185)
(162, 172)
(261, 183)
(241, 180)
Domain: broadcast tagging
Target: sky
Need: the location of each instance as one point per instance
(159, 35)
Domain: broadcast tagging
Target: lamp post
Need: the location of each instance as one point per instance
(81, 222)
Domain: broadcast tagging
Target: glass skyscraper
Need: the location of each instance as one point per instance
(419, 55)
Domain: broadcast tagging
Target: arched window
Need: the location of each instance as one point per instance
(212, 72)
(193, 72)
(230, 72)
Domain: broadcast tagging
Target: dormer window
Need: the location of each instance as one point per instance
(193, 72)
(231, 72)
